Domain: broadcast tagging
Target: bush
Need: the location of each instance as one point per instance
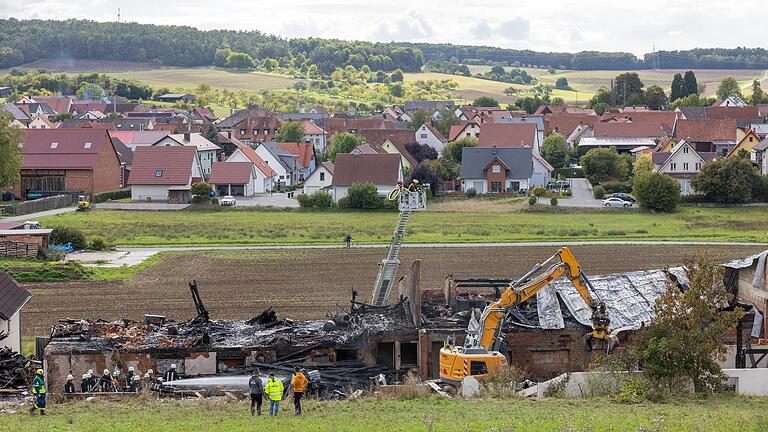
(694, 199)
(617, 187)
(568, 192)
(322, 199)
(305, 201)
(760, 189)
(51, 254)
(730, 180)
(471, 193)
(532, 200)
(199, 199)
(112, 195)
(656, 191)
(343, 202)
(553, 201)
(634, 391)
(570, 172)
(201, 189)
(602, 164)
(538, 191)
(363, 196)
(598, 192)
(99, 243)
(214, 201)
(61, 235)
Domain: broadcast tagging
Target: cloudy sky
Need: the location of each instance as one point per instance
(560, 25)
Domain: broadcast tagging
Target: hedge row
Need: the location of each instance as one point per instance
(112, 195)
(570, 172)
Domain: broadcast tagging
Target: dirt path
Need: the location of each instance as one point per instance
(311, 282)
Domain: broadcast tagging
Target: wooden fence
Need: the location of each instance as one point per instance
(38, 205)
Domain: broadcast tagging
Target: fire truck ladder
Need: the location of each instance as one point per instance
(408, 202)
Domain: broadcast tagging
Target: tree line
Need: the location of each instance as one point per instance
(699, 58)
(187, 46)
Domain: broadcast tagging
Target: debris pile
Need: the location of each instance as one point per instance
(16, 371)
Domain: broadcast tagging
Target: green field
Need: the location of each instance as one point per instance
(250, 82)
(430, 414)
(291, 227)
(469, 87)
(586, 83)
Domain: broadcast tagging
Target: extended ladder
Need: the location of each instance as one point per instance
(408, 202)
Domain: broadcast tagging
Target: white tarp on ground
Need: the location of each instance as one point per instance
(629, 297)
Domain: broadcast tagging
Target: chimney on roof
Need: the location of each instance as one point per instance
(494, 150)
(229, 134)
(187, 136)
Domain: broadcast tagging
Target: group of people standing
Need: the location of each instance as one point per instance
(114, 382)
(274, 390)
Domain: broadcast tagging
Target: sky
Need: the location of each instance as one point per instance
(555, 25)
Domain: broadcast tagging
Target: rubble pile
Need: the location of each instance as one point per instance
(16, 371)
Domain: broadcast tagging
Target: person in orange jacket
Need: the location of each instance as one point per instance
(299, 384)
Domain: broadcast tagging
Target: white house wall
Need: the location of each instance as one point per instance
(424, 136)
(274, 164)
(314, 184)
(154, 192)
(13, 329)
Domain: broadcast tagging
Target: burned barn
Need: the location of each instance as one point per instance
(543, 337)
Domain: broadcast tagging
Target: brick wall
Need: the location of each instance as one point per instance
(499, 177)
(106, 173)
(544, 354)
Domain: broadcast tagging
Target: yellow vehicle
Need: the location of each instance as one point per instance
(83, 203)
(480, 353)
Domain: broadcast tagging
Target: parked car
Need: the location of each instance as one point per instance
(228, 200)
(625, 197)
(616, 202)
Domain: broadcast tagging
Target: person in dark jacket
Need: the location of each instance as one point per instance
(171, 374)
(257, 391)
(85, 383)
(105, 382)
(69, 387)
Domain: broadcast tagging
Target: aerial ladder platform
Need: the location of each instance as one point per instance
(408, 201)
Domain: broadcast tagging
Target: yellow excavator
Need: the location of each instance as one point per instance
(83, 203)
(480, 354)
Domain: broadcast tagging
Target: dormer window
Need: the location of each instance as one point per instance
(54, 145)
(87, 145)
(158, 173)
(496, 168)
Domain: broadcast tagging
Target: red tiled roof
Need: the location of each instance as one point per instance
(71, 150)
(400, 138)
(60, 104)
(311, 128)
(237, 173)
(665, 117)
(457, 129)
(174, 163)
(564, 124)
(334, 124)
(733, 112)
(628, 130)
(82, 107)
(507, 135)
(379, 169)
(437, 133)
(305, 151)
(139, 138)
(705, 130)
(252, 156)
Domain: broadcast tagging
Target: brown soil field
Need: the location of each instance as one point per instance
(305, 284)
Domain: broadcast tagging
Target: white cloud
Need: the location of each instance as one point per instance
(565, 25)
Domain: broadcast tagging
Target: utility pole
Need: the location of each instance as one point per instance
(118, 15)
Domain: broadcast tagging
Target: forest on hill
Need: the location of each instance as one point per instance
(24, 41)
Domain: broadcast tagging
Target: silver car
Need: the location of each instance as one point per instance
(228, 200)
(616, 202)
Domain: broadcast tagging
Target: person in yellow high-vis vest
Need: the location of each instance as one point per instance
(38, 390)
(274, 390)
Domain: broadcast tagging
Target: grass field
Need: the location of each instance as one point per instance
(586, 83)
(430, 414)
(469, 88)
(270, 227)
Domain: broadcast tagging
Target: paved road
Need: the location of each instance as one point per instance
(582, 195)
(33, 216)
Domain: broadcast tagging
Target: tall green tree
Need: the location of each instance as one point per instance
(758, 96)
(290, 132)
(554, 150)
(678, 89)
(727, 180)
(603, 164)
(452, 151)
(419, 118)
(728, 87)
(10, 153)
(691, 86)
(627, 86)
(655, 98)
(485, 101)
(343, 142)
